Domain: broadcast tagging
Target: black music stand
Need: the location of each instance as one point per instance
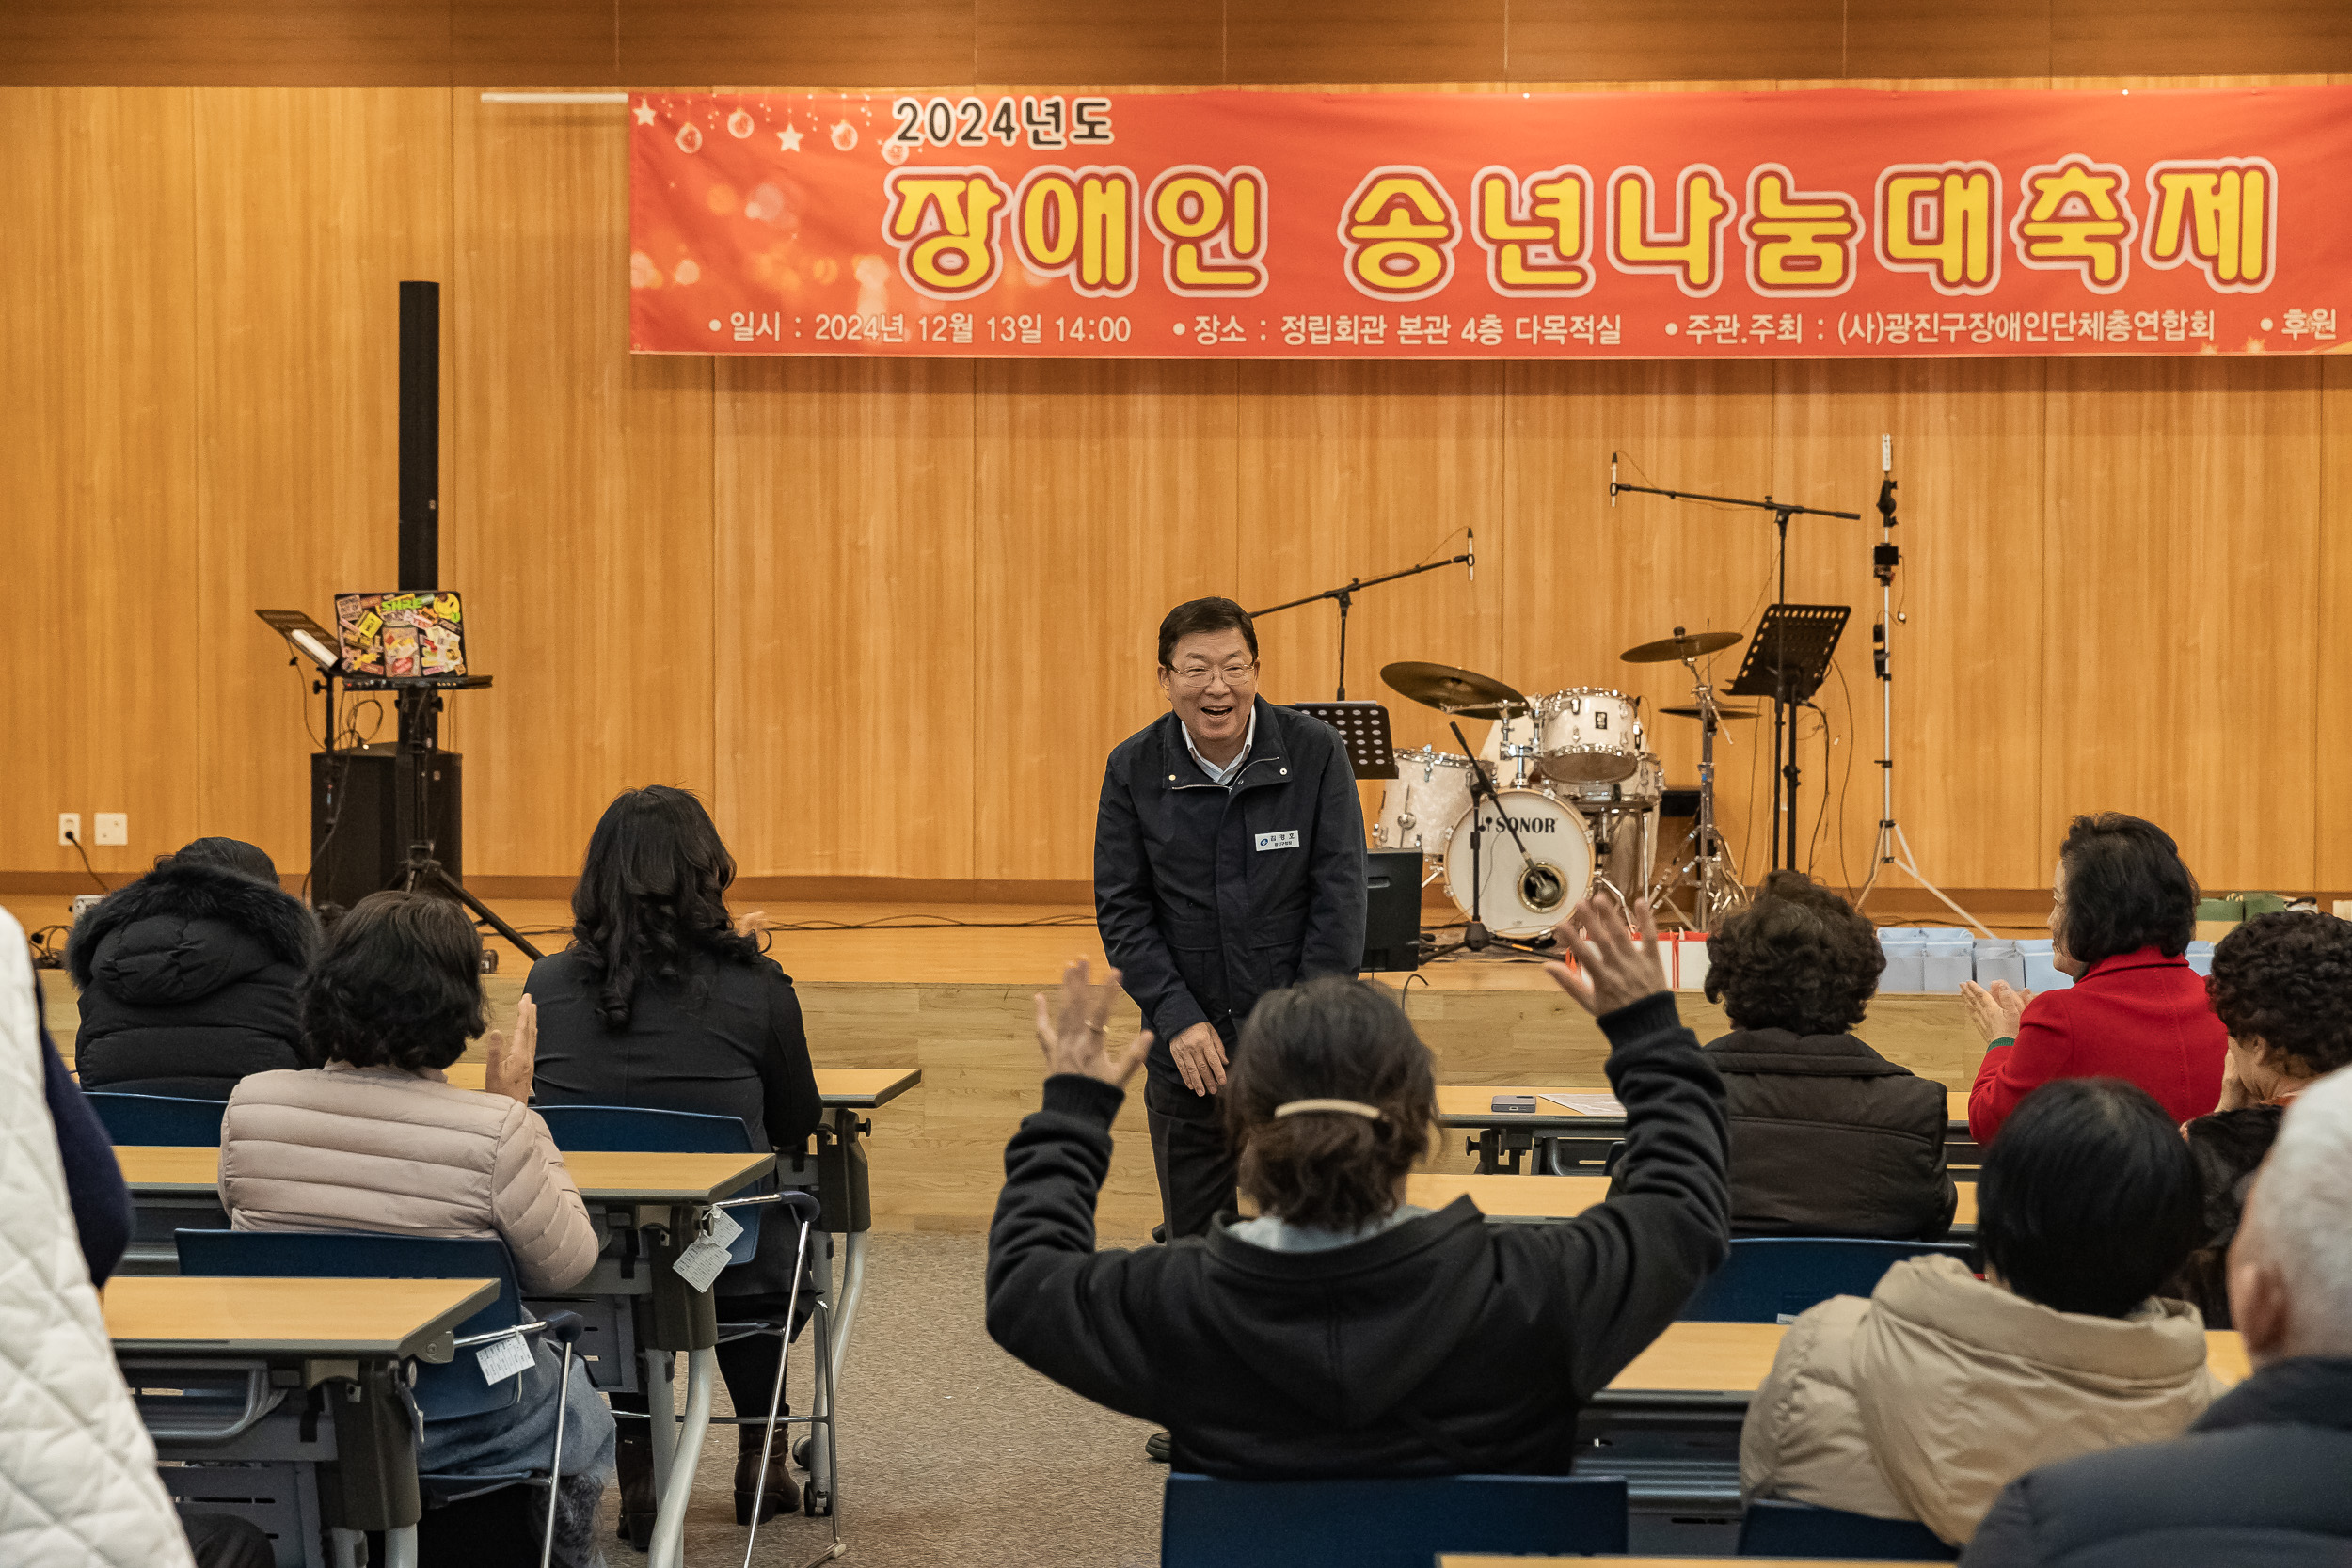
(1787, 660)
(1365, 730)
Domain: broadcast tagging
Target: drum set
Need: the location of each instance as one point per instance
(1572, 797)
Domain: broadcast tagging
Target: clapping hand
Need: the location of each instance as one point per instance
(513, 1063)
(1995, 1011)
(1611, 972)
(1074, 1041)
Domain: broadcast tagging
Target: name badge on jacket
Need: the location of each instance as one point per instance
(1279, 841)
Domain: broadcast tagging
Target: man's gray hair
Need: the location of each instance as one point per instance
(2303, 1203)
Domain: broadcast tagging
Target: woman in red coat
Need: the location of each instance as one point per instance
(2123, 910)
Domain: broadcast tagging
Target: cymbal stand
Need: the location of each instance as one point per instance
(1475, 937)
(1892, 847)
(1712, 867)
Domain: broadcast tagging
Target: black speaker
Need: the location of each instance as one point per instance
(1392, 910)
(363, 806)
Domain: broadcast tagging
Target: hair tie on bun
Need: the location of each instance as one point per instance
(1350, 1107)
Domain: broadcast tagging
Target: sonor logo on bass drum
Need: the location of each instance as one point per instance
(1525, 824)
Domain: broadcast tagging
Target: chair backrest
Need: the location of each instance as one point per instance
(1773, 1278)
(158, 1118)
(1385, 1524)
(1775, 1528)
(636, 1130)
(443, 1392)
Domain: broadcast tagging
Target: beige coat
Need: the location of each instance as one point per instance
(1923, 1401)
(375, 1149)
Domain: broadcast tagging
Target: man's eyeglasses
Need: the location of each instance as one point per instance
(1191, 677)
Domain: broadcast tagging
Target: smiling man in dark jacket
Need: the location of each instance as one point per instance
(1228, 861)
(1345, 1332)
(190, 976)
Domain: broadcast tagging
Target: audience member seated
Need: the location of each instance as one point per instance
(661, 1002)
(2261, 1478)
(2228, 1147)
(190, 976)
(77, 1468)
(1924, 1400)
(2281, 985)
(2122, 908)
(1344, 1332)
(378, 1139)
(1828, 1137)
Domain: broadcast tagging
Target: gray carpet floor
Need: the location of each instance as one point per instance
(952, 1451)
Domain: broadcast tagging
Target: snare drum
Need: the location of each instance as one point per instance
(1586, 735)
(1521, 896)
(1418, 807)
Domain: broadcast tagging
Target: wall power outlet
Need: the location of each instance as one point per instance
(69, 827)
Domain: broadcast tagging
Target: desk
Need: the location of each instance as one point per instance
(1565, 1142)
(1451, 1560)
(289, 1336)
(1560, 1198)
(659, 1194)
(1727, 1362)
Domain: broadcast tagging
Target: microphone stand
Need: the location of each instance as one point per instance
(1784, 775)
(1344, 596)
(1475, 937)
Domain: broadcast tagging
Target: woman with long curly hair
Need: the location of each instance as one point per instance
(661, 1002)
(1828, 1137)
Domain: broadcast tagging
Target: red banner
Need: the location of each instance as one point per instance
(1272, 224)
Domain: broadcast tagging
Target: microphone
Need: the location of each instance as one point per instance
(1474, 552)
(1613, 482)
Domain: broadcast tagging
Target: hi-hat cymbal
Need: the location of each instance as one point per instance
(1701, 713)
(1451, 691)
(1682, 644)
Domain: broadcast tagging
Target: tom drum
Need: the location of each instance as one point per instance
(1418, 807)
(1586, 735)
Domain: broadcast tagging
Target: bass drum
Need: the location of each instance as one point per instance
(1521, 896)
(1418, 807)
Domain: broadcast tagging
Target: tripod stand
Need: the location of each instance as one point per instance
(1475, 937)
(1892, 847)
(419, 738)
(1712, 865)
(1344, 596)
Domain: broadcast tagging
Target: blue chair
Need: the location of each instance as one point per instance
(1773, 1278)
(1384, 1524)
(1775, 1528)
(444, 1392)
(158, 1119)
(637, 1129)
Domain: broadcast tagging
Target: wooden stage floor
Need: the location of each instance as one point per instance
(954, 1000)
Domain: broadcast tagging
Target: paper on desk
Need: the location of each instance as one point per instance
(1590, 1104)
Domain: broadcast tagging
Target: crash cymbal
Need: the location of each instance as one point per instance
(1720, 713)
(1682, 644)
(1451, 691)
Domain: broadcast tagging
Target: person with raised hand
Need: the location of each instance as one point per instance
(1342, 1331)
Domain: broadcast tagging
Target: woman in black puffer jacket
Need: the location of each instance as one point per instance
(189, 975)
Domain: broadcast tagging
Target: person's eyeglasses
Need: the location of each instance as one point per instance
(1192, 677)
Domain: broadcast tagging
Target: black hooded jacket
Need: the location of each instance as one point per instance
(1443, 1345)
(190, 979)
(2262, 1480)
(1830, 1138)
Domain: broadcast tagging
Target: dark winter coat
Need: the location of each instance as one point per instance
(2262, 1480)
(1830, 1138)
(1442, 1345)
(1210, 895)
(190, 979)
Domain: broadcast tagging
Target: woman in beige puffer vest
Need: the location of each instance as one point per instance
(1923, 1401)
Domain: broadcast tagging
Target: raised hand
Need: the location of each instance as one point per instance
(1073, 1041)
(513, 1062)
(1995, 1010)
(1612, 972)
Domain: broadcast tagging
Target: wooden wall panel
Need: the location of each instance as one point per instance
(1967, 659)
(506, 42)
(1367, 40)
(1620, 40)
(312, 208)
(1965, 38)
(2332, 654)
(100, 470)
(227, 43)
(581, 508)
(834, 43)
(1585, 582)
(844, 561)
(2182, 547)
(1390, 462)
(1107, 493)
(2133, 37)
(1167, 42)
